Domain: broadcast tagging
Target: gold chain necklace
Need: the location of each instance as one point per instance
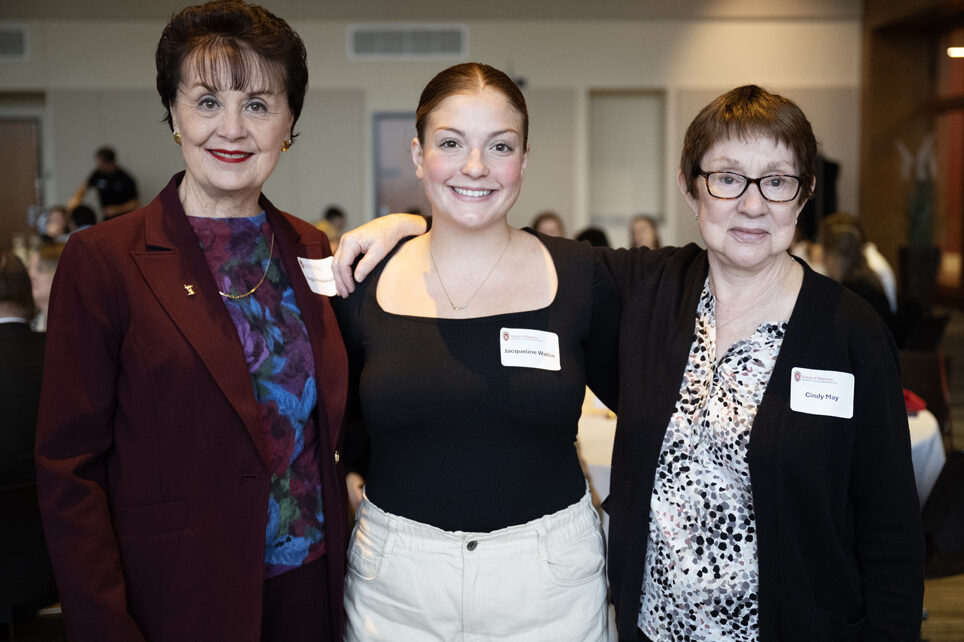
(266, 268)
(456, 307)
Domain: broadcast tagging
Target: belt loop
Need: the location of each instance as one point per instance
(542, 543)
(392, 535)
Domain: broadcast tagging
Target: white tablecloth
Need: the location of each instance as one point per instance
(596, 433)
(927, 451)
(595, 442)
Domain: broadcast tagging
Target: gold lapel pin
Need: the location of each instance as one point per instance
(190, 289)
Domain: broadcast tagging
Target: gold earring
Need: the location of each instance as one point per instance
(285, 146)
(177, 138)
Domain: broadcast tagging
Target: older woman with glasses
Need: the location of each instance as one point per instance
(762, 489)
(762, 486)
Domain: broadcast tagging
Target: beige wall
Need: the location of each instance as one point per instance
(97, 77)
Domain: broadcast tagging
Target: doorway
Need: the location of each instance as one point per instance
(20, 182)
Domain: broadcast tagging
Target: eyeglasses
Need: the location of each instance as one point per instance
(776, 188)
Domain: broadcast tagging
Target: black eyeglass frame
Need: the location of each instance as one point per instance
(750, 181)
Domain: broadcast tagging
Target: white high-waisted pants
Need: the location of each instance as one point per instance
(540, 581)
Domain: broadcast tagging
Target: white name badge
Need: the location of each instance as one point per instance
(318, 272)
(522, 348)
(822, 392)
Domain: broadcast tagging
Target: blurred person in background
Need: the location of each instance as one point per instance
(644, 232)
(335, 217)
(42, 265)
(116, 189)
(844, 261)
(81, 218)
(26, 579)
(332, 224)
(21, 368)
(549, 223)
(55, 226)
(872, 256)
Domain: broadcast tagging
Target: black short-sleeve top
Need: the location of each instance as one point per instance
(460, 441)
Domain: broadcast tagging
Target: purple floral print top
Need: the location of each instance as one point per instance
(280, 361)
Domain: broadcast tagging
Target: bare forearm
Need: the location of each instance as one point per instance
(77, 198)
(375, 240)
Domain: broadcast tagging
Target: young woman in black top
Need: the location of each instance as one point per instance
(473, 345)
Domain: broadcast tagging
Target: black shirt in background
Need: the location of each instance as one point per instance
(113, 188)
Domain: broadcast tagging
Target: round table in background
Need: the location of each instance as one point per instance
(927, 451)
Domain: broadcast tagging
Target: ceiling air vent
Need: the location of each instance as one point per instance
(13, 43)
(407, 41)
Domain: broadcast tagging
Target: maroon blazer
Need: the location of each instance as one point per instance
(150, 454)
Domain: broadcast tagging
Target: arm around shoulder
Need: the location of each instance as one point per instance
(374, 240)
(602, 350)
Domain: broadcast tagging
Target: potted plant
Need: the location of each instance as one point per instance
(919, 260)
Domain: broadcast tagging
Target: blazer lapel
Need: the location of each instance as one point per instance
(174, 268)
(331, 361)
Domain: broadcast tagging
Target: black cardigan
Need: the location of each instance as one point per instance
(838, 525)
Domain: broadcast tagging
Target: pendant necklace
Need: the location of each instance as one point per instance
(266, 268)
(459, 307)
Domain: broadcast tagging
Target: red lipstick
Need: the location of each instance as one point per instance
(228, 156)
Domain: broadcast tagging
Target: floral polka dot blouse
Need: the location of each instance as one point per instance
(701, 574)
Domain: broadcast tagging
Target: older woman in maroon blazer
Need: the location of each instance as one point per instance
(187, 447)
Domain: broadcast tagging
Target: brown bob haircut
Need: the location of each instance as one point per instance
(469, 78)
(15, 287)
(746, 112)
(235, 40)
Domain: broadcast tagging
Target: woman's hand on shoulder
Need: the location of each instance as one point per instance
(375, 240)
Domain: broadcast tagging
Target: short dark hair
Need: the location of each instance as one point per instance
(751, 111)
(15, 283)
(466, 78)
(106, 154)
(237, 38)
(594, 236)
(83, 215)
(333, 212)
